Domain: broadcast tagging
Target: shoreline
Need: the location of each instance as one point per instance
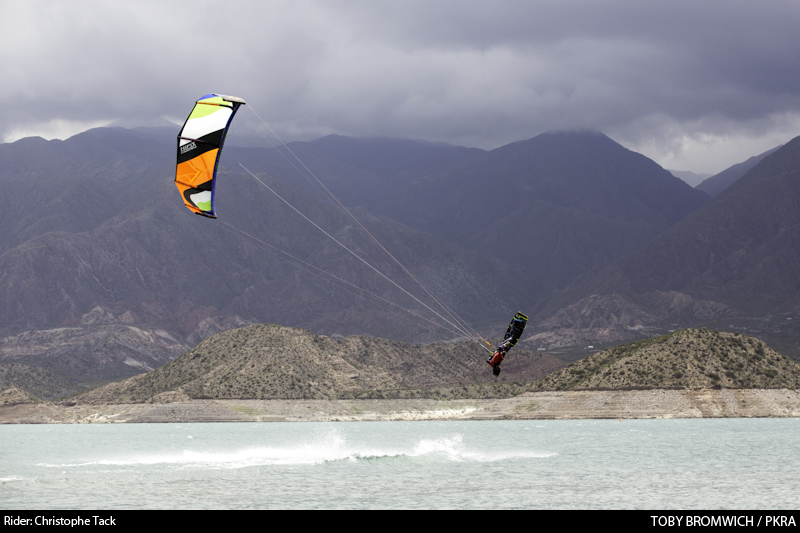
(550, 405)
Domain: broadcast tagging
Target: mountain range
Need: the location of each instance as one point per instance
(734, 261)
(105, 274)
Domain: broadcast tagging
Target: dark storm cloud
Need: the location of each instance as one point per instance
(480, 73)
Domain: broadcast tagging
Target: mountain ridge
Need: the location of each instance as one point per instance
(713, 185)
(267, 361)
(492, 232)
(740, 251)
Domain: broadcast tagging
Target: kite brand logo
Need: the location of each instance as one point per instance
(187, 147)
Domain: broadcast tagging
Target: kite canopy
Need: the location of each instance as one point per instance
(199, 147)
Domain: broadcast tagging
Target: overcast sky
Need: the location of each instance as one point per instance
(695, 85)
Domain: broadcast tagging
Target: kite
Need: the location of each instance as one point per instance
(199, 147)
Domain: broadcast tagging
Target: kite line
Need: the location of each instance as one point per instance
(462, 324)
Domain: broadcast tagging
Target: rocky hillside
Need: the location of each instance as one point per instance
(23, 383)
(614, 319)
(268, 361)
(98, 349)
(689, 358)
(15, 396)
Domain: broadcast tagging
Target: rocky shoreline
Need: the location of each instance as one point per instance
(558, 405)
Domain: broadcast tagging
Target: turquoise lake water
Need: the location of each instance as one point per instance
(592, 464)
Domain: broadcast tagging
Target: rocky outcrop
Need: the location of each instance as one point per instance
(687, 359)
(103, 347)
(617, 318)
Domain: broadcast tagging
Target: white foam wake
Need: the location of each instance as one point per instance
(453, 448)
(327, 446)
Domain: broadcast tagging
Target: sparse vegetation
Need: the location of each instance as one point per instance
(35, 382)
(687, 359)
(268, 361)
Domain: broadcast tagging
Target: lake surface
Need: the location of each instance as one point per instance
(589, 464)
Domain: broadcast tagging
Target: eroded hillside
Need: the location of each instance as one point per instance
(268, 361)
(689, 358)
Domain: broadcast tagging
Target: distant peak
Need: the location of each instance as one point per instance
(30, 140)
(584, 136)
(563, 137)
(575, 133)
(142, 122)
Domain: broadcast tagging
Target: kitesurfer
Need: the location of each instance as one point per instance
(513, 334)
(497, 357)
